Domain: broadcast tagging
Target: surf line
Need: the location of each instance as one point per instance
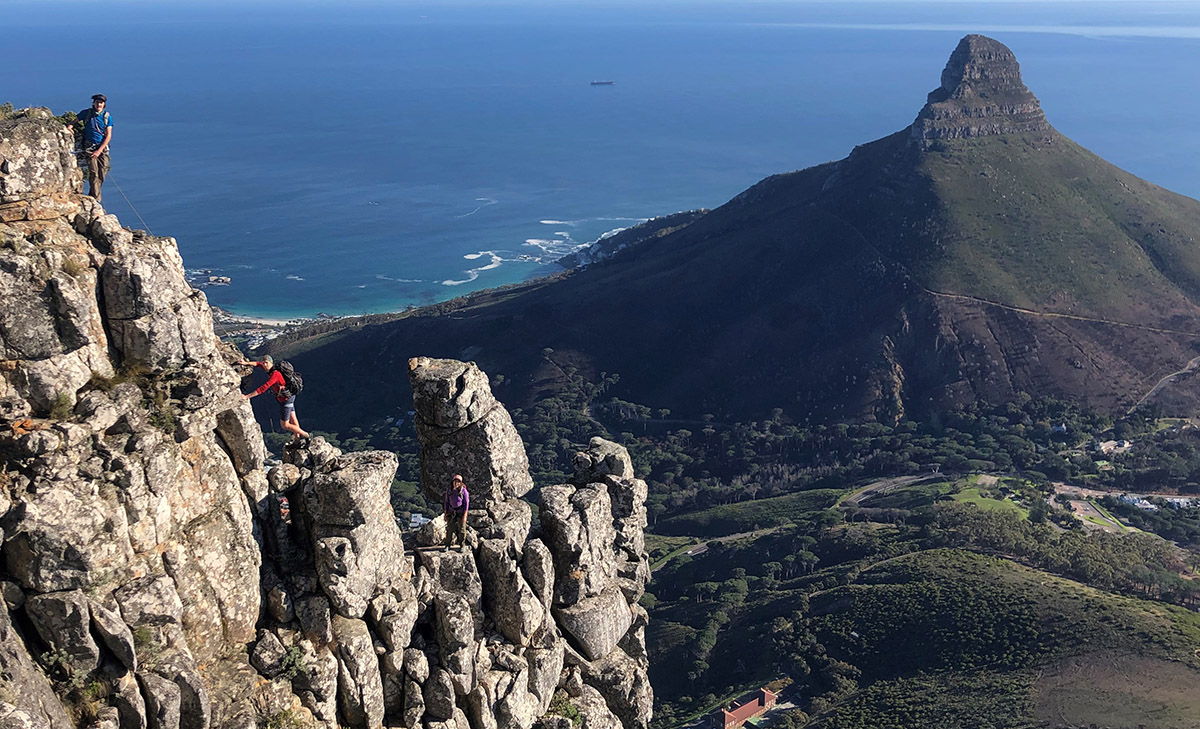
(485, 200)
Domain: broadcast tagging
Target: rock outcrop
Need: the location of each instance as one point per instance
(981, 95)
(563, 593)
(152, 577)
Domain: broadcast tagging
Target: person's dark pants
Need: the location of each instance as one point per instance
(455, 527)
(98, 168)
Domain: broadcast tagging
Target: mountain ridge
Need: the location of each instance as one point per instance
(824, 291)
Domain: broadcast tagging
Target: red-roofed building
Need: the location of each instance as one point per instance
(742, 710)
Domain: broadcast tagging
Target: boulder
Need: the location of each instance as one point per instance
(115, 634)
(538, 568)
(63, 620)
(463, 430)
(315, 618)
(360, 687)
(357, 541)
(162, 701)
(508, 599)
(268, 654)
(131, 708)
(602, 458)
(456, 638)
(596, 624)
(622, 683)
(36, 154)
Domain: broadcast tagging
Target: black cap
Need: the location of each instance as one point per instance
(100, 97)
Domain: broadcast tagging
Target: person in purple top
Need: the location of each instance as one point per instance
(455, 506)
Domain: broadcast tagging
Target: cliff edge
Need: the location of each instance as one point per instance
(152, 577)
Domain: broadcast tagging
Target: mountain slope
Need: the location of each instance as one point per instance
(868, 287)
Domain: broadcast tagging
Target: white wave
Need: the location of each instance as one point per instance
(472, 274)
(361, 286)
(485, 200)
(610, 233)
(294, 277)
(558, 222)
(381, 277)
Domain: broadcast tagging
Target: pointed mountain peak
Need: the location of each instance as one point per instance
(981, 95)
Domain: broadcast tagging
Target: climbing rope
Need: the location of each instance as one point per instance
(110, 178)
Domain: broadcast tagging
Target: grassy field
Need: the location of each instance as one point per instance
(1108, 514)
(974, 496)
(745, 516)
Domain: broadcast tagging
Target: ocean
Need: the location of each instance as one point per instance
(364, 157)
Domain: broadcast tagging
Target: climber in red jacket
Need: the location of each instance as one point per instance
(287, 400)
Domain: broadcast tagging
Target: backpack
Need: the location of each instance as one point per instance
(87, 116)
(293, 383)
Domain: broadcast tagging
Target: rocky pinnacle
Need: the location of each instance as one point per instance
(981, 95)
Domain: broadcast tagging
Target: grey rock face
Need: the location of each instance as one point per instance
(577, 526)
(358, 546)
(134, 492)
(439, 695)
(162, 701)
(34, 697)
(131, 707)
(63, 620)
(35, 157)
(538, 568)
(360, 686)
(141, 517)
(115, 634)
(463, 430)
(981, 95)
(621, 681)
(510, 601)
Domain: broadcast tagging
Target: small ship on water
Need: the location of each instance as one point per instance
(603, 83)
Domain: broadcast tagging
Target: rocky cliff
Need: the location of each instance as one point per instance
(153, 576)
(981, 95)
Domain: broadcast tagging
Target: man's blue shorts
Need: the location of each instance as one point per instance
(286, 408)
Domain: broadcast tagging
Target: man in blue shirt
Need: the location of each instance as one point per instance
(97, 134)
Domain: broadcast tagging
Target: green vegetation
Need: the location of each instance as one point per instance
(1181, 525)
(973, 496)
(746, 516)
(1026, 219)
(561, 705)
(293, 663)
(870, 618)
(940, 583)
(60, 409)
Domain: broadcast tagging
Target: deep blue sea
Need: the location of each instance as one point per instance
(361, 157)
